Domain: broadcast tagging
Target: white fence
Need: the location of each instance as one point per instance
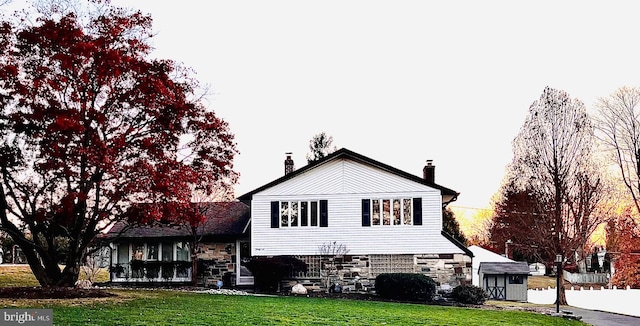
(586, 278)
(612, 300)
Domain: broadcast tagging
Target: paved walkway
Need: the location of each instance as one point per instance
(601, 318)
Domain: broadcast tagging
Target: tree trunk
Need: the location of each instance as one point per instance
(69, 276)
(563, 294)
(194, 269)
(47, 271)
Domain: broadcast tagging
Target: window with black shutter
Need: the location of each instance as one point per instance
(324, 215)
(417, 211)
(366, 212)
(275, 214)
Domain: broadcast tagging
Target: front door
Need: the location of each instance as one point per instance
(243, 254)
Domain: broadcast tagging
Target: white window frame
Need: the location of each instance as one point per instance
(391, 214)
(299, 213)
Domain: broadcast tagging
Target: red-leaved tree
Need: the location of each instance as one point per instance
(90, 125)
(623, 240)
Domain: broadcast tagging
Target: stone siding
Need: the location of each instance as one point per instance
(356, 273)
(216, 263)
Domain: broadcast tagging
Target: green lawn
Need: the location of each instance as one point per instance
(181, 308)
(20, 275)
(160, 307)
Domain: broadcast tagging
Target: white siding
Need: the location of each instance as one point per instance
(344, 183)
(344, 176)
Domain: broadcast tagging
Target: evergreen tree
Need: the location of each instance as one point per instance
(451, 226)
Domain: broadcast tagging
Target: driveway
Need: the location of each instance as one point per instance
(601, 318)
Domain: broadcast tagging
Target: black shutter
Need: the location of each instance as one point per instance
(275, 214)
(366, 216)
(324, 215)
(417, 211)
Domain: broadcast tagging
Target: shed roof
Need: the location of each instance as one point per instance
(221, 219)
(516, 268)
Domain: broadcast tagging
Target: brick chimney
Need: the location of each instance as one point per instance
(507, 249)
(288, 164)
(429, 172)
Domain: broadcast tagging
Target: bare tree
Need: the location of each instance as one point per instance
(320, 146)
(94, 262)
(618, 126)
(553, 155)
(330, 253)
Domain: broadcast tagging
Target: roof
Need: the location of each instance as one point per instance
(516, 268)
(345, 153)
(221, 219)
(457, 243)
(483, 255)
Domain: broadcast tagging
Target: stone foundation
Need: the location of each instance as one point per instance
(358, 273)
(216, 263)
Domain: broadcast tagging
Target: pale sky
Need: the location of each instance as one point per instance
(397, 81)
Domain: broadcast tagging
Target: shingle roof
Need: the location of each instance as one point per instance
(221, 219)
(341, 153)
(517, 268)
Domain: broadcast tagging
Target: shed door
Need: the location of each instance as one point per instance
(496, 286)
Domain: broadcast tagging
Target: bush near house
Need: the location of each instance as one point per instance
(469, 294)
(405, 286)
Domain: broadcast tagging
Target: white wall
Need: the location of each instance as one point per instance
(483, 255)
(344, 183)
(611, 300)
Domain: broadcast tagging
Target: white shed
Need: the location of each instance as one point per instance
(505, 281)
(481, 255)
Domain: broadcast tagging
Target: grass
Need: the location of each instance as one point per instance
(161, 307)
(542, 282)
(20, 275)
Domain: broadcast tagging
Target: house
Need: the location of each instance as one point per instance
(385, 219)
(537, 269)
(505, 280)
(161, 253)
(481, 255)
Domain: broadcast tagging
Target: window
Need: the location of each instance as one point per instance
(314, 213)
(152, 251)
(391, 264)
(289, 214)
(182, 251)
(376, 212)
(304, 213)
(167, 251)
(407, 211)
(516, 279)
(284, 213)
(138, 251)
(392, 211)
(293, 213)
(386, 213)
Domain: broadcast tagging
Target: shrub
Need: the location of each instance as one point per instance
(469, 294)
(405, 286)
(269, 271)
